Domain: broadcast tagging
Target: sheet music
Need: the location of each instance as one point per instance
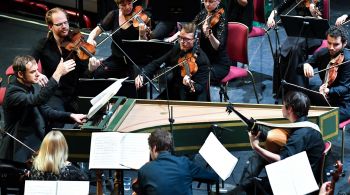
(73, 187)
(32, 187)
(217, 156)
(102, 98)
(114, 150)
(292, 176)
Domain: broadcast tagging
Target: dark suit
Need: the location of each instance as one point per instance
(339, 90)
(26, 113)
(170, 174)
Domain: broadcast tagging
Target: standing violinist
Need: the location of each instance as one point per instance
(117, 65)
(213, 24)
(191, 86)
(338, 92)
(295, 50)
(51, 53)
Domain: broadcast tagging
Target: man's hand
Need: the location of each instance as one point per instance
(63, 68)
(78, 118)
(138, 81)
(254, 139)
(324, 89)
(308, 70)
(325, 188)
(271, 20)
(42, 80)
(341, 20)
(243, 3)
(94, 63)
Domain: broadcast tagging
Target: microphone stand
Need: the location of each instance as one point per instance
(17, 140)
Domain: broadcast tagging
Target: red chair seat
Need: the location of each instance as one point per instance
(235, 72)
(323, 45)
(342, 125)
(9, 71)
(2, 94)
(256, 32)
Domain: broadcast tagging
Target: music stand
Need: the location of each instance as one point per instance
(316, 98)
(150, 50)
(311, 27)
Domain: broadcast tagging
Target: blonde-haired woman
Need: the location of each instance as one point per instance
(51, 162)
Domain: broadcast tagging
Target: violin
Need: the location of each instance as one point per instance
(76, 43)
(139, 20)
(215, 18)
(332, 72)
(315, 2)
(335, 176)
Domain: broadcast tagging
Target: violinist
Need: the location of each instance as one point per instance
(185, 85)
(51, 162)
(295, 50)
(295, 108)
(241, 11)
(26, 111)
(213, 24)
(166, 173)
(51, 52)
(117, 65)
(337, 92)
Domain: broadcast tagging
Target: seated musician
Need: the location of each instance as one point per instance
(184, 85)
(52, 51)
(51, 162)
(117, 65)
(295, 50)
(213, 24)
(166, 173)
(327, 190)
(25, 109)
(241, 11)
(336, 87)
(341, 19)
(295, 108)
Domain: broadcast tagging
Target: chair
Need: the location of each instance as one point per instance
(327, 148)
(237, 50)
(343, 126)
(12, 177)
(258, 17)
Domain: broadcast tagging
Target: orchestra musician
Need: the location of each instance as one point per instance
(166, 173)
(51, 162)
(52, 53)
(241, 11)
(295, 108)
(25, 108)
(188, 86)
(337, 92)
(295, 50)
(213, 24)
(117, 65)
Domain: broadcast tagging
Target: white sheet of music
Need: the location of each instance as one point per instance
(218, 157)
(292, 176)
(34, 187)
(114, 150)
(103, 97)
(73, 187)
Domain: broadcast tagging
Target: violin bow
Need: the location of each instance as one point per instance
(17, 140)
(317, 72)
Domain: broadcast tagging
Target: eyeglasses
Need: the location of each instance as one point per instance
(61, 24)
(184, 39)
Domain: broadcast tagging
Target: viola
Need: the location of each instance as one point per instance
(76, 43)
(335, 176)
(332, 72)
(139, 20)
(215, 18)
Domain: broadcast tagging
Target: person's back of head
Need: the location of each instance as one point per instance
(298, 101)
(53, 153)
(160, 139)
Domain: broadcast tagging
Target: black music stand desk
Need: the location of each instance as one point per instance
(308, 27)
